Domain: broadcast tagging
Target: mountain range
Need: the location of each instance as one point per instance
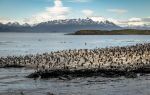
(67, 25)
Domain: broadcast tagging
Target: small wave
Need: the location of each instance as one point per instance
(5, 42)
(7, 77)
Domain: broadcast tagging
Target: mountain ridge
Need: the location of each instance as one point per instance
(67, 25)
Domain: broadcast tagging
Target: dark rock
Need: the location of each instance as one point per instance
(131, 75)
(49, 93)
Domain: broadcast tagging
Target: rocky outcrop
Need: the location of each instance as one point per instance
(119, 60)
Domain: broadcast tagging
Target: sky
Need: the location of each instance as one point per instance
(121, 12)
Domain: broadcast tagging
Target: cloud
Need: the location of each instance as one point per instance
(80, 1)
(87, 12)
(118, 11)
(146, 19)
(98, 18)
(139, 21)
(134, 21)
(5, 20)
(58, 11)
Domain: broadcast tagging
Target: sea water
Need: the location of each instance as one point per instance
(14, 82)
(32, 43)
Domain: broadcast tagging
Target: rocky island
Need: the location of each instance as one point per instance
(112, 32)
(113, 61)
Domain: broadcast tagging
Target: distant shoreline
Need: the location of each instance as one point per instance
(112, 32)
(34, 32)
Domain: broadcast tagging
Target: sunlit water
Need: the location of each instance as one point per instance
(13, 81)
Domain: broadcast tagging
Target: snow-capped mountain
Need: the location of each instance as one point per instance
(67, 25)
(79, 21)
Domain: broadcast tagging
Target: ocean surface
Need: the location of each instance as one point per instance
(13, 81)
(32, 43)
